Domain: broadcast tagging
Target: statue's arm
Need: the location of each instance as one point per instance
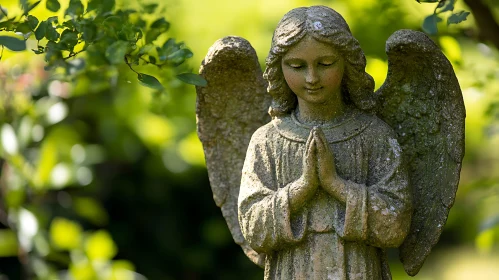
(380, 213)
(265, 213)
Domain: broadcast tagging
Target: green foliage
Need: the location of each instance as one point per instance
(53, 5)
(430, 24)
(12, 42)
(458, 17)
(56, 126)
(443, 6)
(192, 79)
(120, 36)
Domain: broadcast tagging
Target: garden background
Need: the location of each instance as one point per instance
(102, 173)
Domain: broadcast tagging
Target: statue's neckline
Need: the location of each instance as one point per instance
(347, 127)
(339, 121)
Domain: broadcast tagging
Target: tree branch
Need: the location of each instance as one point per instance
(489, 28)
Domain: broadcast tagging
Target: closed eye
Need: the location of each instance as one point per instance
(296, 66)
(326, 63)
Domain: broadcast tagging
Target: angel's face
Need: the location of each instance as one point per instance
(313, 71)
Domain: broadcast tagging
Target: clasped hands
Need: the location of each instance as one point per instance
(319, 170)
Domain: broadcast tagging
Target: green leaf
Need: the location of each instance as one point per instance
(8, 24)
(145, 49)
(51, 33)
(53, 5)
(152, 59)
(150, 8)
(127, 32)
(161, 24)
(41, 30)
(193, 79)
(430, 24)
(179, 56)
(23, 28)
(89, 32)
(69, 39)
(53, 19)
(75, 8)
(157, 28)
(457, 17)
(152, 35)
(32, 22)
(149, 81)
(111, 25)
(13, 43)
(116, 52)
(107, 6)
(447, 5)
(94, 5)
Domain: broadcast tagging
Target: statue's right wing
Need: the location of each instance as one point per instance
(229, 110)
(422, 101)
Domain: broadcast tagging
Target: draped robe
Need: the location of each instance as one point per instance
(326, 239)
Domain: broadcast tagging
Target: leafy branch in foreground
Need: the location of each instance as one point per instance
(443, 6)
(109, 38)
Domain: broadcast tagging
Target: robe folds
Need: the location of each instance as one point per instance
(326, 239)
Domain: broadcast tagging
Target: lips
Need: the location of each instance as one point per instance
(311, 90)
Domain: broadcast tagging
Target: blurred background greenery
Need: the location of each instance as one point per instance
(103, 178)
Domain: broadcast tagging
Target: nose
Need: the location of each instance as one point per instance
(312, 77)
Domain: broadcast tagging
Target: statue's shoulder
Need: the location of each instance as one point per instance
(375, 127)
(264, 133)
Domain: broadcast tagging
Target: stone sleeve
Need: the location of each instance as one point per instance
(264, 211)
(380, 213)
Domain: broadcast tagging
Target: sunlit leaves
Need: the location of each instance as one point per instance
(51, 33)
(150, 8)
(458, 17)
(69, 39)
(157, 28)
(75, 8)
(193, 79)
(149, 81)
(115, 53)
(53, 5)
(446, 6)
(8, 243)
(12, 42)
(65, 234)
(100, 246)
(32, 22)
(430, 24)
(41, 30)
(443, 6)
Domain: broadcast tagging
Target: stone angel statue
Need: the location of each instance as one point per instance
(337, 173)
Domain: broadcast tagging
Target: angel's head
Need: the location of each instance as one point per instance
(326, 26)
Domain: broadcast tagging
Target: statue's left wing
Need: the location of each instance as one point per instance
(422, 101)
(229, 109)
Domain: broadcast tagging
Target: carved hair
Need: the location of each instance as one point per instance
(327, 26)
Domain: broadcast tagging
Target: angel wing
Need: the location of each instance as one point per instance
(422, 101)
(228, 110)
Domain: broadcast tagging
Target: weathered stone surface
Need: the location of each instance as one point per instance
(422, 101)
(341, 172)
(229, 110)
